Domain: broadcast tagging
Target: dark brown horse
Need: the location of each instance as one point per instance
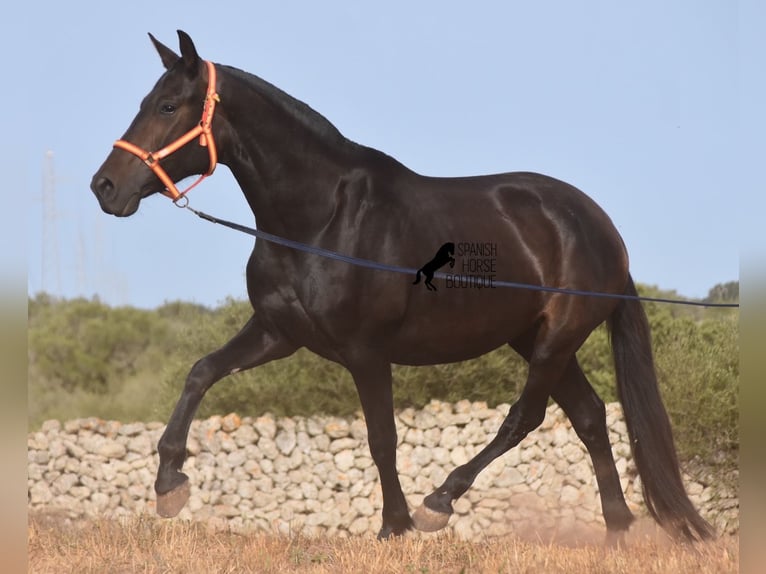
(306, 182)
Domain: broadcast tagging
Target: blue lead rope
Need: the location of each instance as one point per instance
(257, 233)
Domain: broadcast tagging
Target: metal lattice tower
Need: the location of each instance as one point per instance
(50, 275)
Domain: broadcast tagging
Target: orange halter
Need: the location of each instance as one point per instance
(203, 130)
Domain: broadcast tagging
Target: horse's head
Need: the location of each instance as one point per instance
(169, 115)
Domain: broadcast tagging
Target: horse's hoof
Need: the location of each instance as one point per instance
(388, 533)
(171, 503)
(427, 520)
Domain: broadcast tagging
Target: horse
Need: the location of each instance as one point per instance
(443, 256)
(305, 181)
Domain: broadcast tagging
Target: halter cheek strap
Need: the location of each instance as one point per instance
(203, 130)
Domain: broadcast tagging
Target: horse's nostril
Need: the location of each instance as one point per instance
(103, 187)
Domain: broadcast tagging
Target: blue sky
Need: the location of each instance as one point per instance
(647, 107)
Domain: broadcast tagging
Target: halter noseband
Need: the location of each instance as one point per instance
(203, 130)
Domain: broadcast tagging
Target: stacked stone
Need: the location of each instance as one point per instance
(315, 475)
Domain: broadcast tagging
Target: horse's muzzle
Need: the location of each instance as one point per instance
(110, 199)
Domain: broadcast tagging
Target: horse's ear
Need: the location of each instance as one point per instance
(168, 56)
(188, 53)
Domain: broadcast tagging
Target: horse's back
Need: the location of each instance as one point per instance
(535, 219)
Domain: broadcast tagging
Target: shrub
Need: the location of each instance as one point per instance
(698, 371)
(87, 359)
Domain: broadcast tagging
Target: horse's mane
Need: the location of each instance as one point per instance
(297, 109)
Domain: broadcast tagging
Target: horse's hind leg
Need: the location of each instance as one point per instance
(547, 364)
(587, 413)
(252, 346)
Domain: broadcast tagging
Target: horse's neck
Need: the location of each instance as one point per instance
(287, 170)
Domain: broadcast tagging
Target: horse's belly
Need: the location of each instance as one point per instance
(446, 326)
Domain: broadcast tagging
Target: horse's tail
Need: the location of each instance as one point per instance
(417, 277)
(651, 439)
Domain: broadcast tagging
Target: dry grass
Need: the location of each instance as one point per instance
(149, 545)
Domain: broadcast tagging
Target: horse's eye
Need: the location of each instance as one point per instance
(167, 109)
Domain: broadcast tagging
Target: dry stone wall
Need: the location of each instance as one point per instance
(316, 474)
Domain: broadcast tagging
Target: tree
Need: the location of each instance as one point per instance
(724, 293)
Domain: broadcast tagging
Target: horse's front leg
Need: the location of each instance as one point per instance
(254, 345)
(373, 382)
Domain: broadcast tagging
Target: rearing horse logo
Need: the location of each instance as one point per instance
(442, 257)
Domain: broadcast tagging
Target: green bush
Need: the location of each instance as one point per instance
(87, 359)
(86, 345)
(698, 371)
